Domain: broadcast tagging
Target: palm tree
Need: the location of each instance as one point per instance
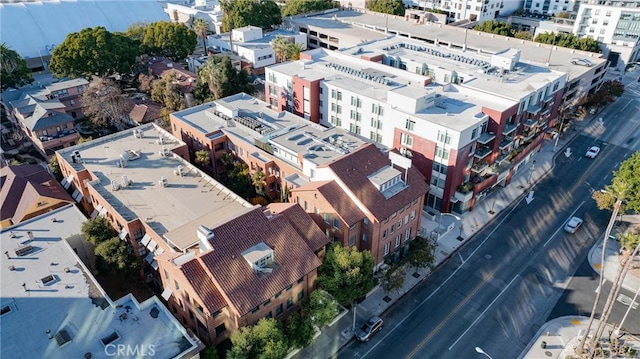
(203, 158)
(280, 47)
(8, 58)
(259, 181)
(201, 27)
(294, 51)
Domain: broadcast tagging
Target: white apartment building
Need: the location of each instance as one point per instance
(473, 130)
(614, 23)
(252, 45)
(548, 7)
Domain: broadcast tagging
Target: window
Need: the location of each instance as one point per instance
(300, 280)
(300, 296)
(384, 234)
(444, 137)
(220, 329)
(364, 237)
(352, 240)
(279, 309)
(413, 214)
(442, 153)
(407, 234)
(255, 309)
(289, 287)
(326, 218)
(176, 283)
(410, 125)
(365, 221)
(289, 302)
(267, 302)
(278, 294)
(393, 227)
(406, 218)
(386, 248)
(336, 223)
(406, 140)
(398, 241)
(399, 224)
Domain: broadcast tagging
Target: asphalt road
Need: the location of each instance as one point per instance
(505, 283)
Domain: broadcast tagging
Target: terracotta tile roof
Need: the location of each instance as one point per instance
(235, 276)
(302, 223)
(353, 170)
(203, 286)
(137, 113)
(21, 186)
(162, 68)
(345, 208)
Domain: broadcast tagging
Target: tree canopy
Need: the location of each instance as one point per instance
(94, 51)
(239, 13)
(13, 69)
(265, 340)
(569, 40)
(114, 252)
(217, 78)
(393, 279)
(97, 230)
(103, 103)
(201, 28)
(421, 253)
(167, 92)
(495, 27)
(285, 49)
(295, 7)
(169, 39)
(626, 183)
(393, 7)
(321, 308)
(346, 273)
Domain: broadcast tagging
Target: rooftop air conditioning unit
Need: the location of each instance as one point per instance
(163, 181)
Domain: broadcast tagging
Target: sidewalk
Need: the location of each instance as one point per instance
(562, 335)
(630, 282)
(457, 230)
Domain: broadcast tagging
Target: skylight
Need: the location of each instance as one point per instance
(62, 337)
(110, 338)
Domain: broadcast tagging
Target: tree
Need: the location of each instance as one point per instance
(299, 331)
(524, 35)
(94, 52)
(169, 39)
(167, 92)
(393, 279)
(217, 78)
(145, 82)
(569, 40)
(262, 13)
(136, 31)
(103, 103)
(421, 253)
(97, 230)
(346, 273)
(321, 308)
(563, 15)
(258, 179)
(201, 28)
(85, 139)
(239, 180)
(495, 27)
(114, 252)
(285, 49)
(54, 168)
(203, 158)
(209, 353)
(393, 7)
(624, 188)
(295, 7)
(13, 69)
(265, 340)
(613, 87)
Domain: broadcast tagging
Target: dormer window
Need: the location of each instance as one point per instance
(261, 258)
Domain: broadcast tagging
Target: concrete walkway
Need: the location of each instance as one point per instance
(456, 231)
(559, 338)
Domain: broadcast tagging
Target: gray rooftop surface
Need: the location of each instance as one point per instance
(72, 301)
(183, 200)
(287, 130)
(350, 24)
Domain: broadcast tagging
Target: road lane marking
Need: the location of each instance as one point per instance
(563, 223)
(445, 282)
(452, 313)
(484, 311)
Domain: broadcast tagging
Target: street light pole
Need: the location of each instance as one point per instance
(531, 169)
(479, 350)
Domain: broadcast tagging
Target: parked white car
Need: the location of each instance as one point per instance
(572, 225)
(592, 152)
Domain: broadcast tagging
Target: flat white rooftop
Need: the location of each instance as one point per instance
(468, 65)
(187, 194)
(359, 25)
(247, 118)
(52, 307)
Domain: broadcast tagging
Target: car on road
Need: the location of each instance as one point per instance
(372, 326)
(572, 225)
(592, 152)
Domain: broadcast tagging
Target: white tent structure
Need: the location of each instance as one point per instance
(33, 29)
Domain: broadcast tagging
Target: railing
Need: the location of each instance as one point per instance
(482, 152)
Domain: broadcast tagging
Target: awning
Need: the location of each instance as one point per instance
(145, 240)
(152, 245)
(66, 182)
(149, 257)
(77, 195)
(123, 233)
(154, 265)
(166, 294)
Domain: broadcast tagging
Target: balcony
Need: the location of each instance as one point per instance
(482, 152)
(508, 129)
(530, 122)
(529, 135)
(506, 142)
(533, 109)
(486, 137)
(60, 135)
(479, 166)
